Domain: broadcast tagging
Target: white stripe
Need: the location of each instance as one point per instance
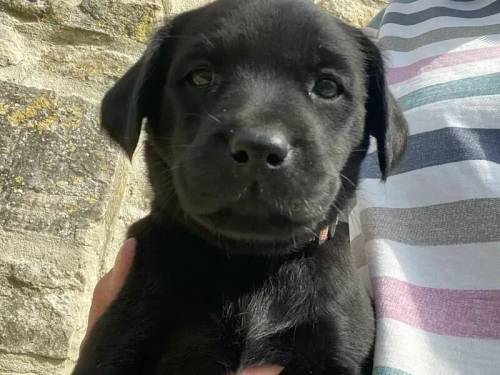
(420, 5)
(477, 112)
(411, 31)
(354, 224)
(444, 75)
(395, 59)
(439, 184)
(464, 266)
(422, 353)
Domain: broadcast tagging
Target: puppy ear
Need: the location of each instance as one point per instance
(137, 95)
(122, 110)
(384, 118)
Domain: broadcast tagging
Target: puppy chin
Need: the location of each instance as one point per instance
(258, 230)
(245, 224)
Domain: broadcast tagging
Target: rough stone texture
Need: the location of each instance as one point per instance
(11, 47)
(66, 194)
(356, 12)
(60, 183)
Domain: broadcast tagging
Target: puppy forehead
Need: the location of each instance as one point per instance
(292, 30)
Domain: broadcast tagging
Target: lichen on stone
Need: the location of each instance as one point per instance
(3, 108)
(19, 180)
(144, 29)
(85, 63)
(42, 113)
(134, 20)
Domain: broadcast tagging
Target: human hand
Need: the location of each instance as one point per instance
(264, 370)
(110, 285)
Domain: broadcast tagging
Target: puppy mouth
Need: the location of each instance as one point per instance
(257, 223)
(254, 216)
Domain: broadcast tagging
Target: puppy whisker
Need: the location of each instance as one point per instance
(208, 41)
(347, 179)
(217, 120)
(165, 35)
(294, 241)
(240, 195)
(171, 169)
(309, 230)
(339, 211)
(198, 115)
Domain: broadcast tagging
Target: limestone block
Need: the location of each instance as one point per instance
(355, 12)
(131, 18)
(26, 10)
(69, 60)
(11, 47)
(135, 204)
(61, 184)
(54, 163)
(179, 6)
(97, 66)
(134, 19)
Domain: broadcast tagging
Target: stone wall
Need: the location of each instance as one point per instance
(67, 194)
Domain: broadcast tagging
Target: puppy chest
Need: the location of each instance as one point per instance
(223, 335)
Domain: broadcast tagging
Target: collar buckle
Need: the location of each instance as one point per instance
(328, 232)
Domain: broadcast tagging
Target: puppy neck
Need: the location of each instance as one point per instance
(232, 247)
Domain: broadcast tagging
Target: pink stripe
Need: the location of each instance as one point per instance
(396, 75)
(464, 313)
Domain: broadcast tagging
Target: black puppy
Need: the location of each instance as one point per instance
(259, 113)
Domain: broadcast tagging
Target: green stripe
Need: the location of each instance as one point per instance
(463, 88)
(376, 21)
(389, 371)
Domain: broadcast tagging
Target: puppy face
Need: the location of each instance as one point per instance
(259, 113)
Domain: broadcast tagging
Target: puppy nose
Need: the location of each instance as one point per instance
(267, 148)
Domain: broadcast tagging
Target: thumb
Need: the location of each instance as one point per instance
(264, 370)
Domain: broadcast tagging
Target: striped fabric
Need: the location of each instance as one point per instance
(432, 232)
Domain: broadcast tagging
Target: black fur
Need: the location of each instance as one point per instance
(228, 272)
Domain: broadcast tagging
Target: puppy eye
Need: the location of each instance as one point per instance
(326, 88)
(202, 77)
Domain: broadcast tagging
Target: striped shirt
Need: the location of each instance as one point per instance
(432, 232)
